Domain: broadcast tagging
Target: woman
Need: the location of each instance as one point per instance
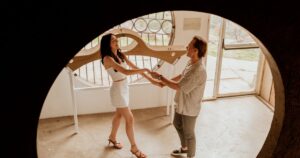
(116, 63)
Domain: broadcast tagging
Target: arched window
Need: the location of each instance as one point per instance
(155, 29)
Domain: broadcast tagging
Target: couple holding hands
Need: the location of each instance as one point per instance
(189, 86)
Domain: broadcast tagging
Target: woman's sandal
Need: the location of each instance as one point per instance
(116, 144)
(138, 153)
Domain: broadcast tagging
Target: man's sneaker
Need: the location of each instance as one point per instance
(179, 152)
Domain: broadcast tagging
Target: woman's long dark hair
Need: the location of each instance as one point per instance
(105, 49)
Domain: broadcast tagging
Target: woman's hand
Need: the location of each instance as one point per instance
(147, 70)
(158, 83)
(155, 75)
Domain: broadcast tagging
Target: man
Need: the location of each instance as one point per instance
(189, 88)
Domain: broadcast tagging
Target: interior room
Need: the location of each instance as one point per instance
(236, 111)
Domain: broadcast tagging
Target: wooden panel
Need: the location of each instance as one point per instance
(272, 97)
(266, 83)
(167, 53)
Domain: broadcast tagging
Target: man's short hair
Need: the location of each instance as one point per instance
(201, 45)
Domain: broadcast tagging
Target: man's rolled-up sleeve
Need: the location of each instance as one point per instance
(188, 82)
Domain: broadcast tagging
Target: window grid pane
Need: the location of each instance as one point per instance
(94, 72)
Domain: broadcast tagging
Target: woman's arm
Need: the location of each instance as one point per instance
(149, 78)
(110, 62)
(129, 63)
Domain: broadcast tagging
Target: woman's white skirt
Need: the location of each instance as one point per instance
(119, 94)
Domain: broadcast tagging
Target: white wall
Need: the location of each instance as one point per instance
(184, 36)
(97, 100)
(59, 99)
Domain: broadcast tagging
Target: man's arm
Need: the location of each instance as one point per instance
(170, 83)
(176, 78)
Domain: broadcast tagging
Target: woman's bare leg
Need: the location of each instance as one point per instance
(115, 125)
(127, 114)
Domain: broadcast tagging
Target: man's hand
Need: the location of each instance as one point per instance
(161, 84)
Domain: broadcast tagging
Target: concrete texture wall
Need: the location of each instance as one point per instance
(39, 38)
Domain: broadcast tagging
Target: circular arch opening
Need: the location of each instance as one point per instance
(279, 99)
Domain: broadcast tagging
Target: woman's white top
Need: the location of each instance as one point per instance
(116, 76)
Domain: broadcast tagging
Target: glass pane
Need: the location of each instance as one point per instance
(152, 39)
(145, 38)
(90, 72)
(147, 62)
(82, 72)
(135, 30)
(129, 41)
(160, 15)
(213, 42)
(154, 26)
(159, 40)
(94, 42)
(97, 71)
(147, 30)
(168, 15)
(153, 62)
(235, 34)
(139, 61)
(140, 24)
(122, 41)
(134, 77)
(239, 70)
(166, 40)
(152, 16)
(167, 27)
(130, 57)
(154, 29)
(88, 46)
(128, 24)
(160, 31)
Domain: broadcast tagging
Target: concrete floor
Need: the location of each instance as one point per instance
(233, 127)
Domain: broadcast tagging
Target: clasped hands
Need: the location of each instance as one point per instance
(156, 78)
